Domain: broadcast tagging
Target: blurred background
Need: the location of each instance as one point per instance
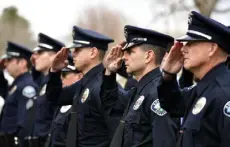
(22, 20)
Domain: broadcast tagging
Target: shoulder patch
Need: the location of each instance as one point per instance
(29, 92)
(85, 95)
(226, 109)
(138, 102)
(64, 109)
(199, 105)
(156, 108)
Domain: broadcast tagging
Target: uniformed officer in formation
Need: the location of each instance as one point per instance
(69, 75)
(44, 55)
(205, 106)
(143, 123)
(20, 97)
(87, 126)
(95, 111)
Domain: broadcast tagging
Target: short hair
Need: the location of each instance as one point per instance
(101, 54)
(158, 51)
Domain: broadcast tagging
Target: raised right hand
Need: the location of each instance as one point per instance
(173, 62)
(113, 59)
(60, 60)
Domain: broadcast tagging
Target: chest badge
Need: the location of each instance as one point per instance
(227, 109)
(199, 106)
(138, 102)
(12, 90)
(43, 90)
(156, 108)
(64, 109)
(85, 95)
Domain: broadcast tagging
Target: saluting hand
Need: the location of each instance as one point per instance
(113, 60)
(173, 61)
(60, 60)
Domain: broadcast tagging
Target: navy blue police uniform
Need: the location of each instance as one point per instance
(19, 100)
(143, 123)
(44, 109)
(87, 123)
(205, 106)
(62, 115)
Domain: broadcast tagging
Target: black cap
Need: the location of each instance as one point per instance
(15, 50)
(88, 38)
(47, 43)
(202, 28)
(70, 67)
(136, 36)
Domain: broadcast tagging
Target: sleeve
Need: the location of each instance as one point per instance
(113, 98)
(171, 98)
(58, 95)
(25, 102)
(164, 129)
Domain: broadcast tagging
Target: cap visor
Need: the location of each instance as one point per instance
(187, 38)
(37, 49)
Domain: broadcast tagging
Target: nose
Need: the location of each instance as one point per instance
(125, 56)
(184, 49)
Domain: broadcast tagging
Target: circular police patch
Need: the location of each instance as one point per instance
(138, 102)
(29, 104)
(12, 90)
(227, 109)
(43, 90)
(156, 108)
(29, 92)
(64, 109)
(199, 105)
(85, 95)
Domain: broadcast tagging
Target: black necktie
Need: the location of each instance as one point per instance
(72, 134)
(118, 136)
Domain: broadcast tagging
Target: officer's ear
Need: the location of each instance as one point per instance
(94, 52)
(22, 62)
(212, 49)
(149, 56)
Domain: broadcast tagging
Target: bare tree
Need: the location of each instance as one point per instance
(14, 28)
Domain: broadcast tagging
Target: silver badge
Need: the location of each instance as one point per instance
(85, 95)
(138, 102)
(12, 90)
(199, 105)
(43, 90)
(64, 109)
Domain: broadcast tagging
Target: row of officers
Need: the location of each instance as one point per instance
(69, 97)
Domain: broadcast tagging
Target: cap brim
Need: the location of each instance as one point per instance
(187, 38)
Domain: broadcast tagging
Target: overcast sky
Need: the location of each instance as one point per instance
(56, 17)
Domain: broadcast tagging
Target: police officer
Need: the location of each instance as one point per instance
(205, 106)
(87, 125)
(143, 123)
(20, 97)
(69, 75)
(45, 52)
